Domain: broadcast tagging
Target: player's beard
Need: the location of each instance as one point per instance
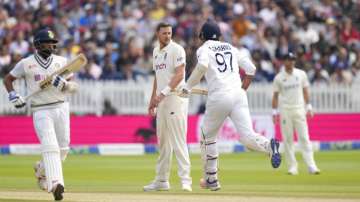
(45, 53)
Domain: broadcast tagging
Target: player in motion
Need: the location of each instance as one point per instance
(219, 62)
(171, 110)
(293, 87)
(49, 109)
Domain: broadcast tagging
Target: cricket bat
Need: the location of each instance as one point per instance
(194, 91)
(73, 66)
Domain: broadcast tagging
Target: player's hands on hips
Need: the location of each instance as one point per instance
(59, 82)
(16, 99)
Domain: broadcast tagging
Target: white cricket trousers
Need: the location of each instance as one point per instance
(219, 106)
(295, 118)
(171, 130)
(52, 126)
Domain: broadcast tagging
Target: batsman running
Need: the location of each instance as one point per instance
(171, 110)
(220, 62)
(50, 110)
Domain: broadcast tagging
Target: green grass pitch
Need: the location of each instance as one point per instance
(243, 174)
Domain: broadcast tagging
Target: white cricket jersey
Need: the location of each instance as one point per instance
(290, 88)
(35, 69)
(222, 61)
(165, 62)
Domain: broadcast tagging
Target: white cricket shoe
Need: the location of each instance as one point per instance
(157, 186)
(186, 187)
(314, 170)
(213, 186)
(40, 175)
(293, 171)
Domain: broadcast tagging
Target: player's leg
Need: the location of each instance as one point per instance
(216, 112)
(44, 127)
(240, 115)
(176, 121)
(302, 130)
(287, 131)
(62, 129)
(163, 164)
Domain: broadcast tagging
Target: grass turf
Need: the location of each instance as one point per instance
(246, 174)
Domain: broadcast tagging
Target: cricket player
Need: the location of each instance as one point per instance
(292, 86)
(49, 108)
(171, 110)
(219, 62)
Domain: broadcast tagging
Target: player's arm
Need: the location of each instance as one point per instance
(274, 105)
(195, 77)
(305, 83)
(250, 70)
(152, 104)
(275, 100)
(309, 109)
(17, 72)
(16, 99)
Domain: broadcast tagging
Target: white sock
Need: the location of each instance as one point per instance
(53, 169)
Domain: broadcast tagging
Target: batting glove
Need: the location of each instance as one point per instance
(184, 91)
(16, 99)
(59, 83)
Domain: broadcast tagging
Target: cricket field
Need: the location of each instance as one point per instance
(244, 177)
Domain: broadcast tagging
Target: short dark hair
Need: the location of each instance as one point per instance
(161, 25)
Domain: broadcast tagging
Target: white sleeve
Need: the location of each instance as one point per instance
(180, 57)
(245, 63)
(276, 85)
(18, 71)
(203, 57)
(305, 81)
(153, 62)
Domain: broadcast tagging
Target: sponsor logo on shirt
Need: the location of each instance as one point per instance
(160, 66)
(179, 59)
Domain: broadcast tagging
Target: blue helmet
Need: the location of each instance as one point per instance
(210, 31)
(44, 36)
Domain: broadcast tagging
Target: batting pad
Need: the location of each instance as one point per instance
(53, 169)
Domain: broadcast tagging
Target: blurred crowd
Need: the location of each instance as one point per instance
(118, 35)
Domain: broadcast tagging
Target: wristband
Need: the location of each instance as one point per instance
(12, 93)
(275, 112)
(309, 107)
(166, 90)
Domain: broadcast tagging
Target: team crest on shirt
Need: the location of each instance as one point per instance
(57, 65)
(32, 66)
(38, 77)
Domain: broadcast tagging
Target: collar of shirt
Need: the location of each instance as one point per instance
(43, 62)
(166, 47)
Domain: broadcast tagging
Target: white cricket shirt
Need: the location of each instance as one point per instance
(223, 61)
(35, 69)
(164, 63)
(290, 88)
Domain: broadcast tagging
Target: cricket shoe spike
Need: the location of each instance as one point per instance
(213, 185)
(275, 155)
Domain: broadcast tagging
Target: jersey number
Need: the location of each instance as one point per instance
(224, 60)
